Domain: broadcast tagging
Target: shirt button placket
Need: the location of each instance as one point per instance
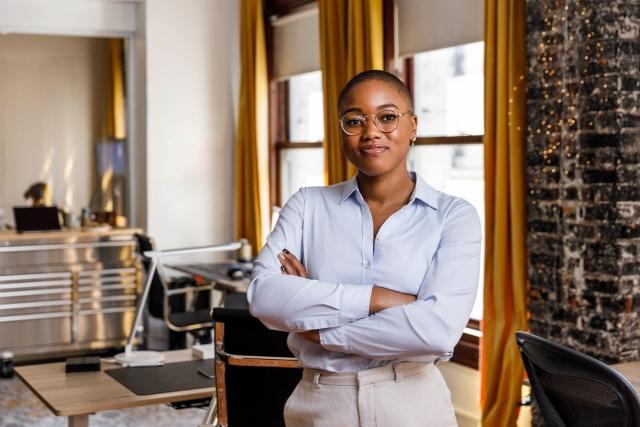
(367, 241)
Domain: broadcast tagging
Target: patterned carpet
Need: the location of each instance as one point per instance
(21, 408)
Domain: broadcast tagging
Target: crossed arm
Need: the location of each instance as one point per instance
(381, 298)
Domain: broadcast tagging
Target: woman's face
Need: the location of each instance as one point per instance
(373, 152)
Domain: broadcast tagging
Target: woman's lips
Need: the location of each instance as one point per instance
(373, 149)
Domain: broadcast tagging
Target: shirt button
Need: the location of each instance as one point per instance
(367, 264)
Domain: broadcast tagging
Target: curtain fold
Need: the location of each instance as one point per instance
(108, 195)
(252, 175)
(505, 282)
(351, 41)
(116, 112)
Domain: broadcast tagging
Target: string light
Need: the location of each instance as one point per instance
(558, 93)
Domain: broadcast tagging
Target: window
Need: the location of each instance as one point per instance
(448, 91)
(296, 111)
(299, 150)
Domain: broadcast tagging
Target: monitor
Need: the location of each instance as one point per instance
(40, 218)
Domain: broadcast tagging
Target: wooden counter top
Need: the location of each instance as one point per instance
(11, 237)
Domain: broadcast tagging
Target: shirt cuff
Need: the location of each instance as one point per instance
(355, 301)
(333, 339)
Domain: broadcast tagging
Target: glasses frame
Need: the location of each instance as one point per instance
(375, 122)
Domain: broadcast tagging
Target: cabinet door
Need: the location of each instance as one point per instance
(106, 304)
(35, 310)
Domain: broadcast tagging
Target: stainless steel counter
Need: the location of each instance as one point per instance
(67, 291)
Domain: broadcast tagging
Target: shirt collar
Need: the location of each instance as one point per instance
(422, 191)
(349, 188)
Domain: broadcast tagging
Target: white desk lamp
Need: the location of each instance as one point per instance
(153, 358)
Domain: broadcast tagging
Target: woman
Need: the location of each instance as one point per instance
(374, 277)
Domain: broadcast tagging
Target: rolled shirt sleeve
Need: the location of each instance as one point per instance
(290, 303)
(435, 322)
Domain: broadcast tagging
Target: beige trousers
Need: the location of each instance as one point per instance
(403, 395)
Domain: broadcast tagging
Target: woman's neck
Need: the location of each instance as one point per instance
(386, 189)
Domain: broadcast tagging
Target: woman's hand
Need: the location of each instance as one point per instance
(313, 336)
(290, 264)
(383, 298)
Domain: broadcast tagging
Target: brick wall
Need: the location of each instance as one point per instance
(583, 157)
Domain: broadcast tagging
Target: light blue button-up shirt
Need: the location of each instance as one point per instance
(430, 248)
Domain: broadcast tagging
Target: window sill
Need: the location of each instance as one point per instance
(467, 352)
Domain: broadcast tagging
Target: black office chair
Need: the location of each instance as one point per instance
(167, 301)
(573, 389)
(255, 371)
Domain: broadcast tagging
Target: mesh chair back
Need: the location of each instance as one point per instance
(574, 389)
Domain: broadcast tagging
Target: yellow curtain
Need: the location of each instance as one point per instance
(351, 41)
(109, 194)
(505, 283)
(116, 113)
(252, 174)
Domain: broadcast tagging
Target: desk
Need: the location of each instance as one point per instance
(214, 273)
(78, 395)
(631, 371)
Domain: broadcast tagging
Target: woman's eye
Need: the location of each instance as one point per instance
(354, 122)
(387, 117)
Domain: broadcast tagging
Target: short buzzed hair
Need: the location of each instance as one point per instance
(379, 75)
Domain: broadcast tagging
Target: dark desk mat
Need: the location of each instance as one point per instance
(167, 378)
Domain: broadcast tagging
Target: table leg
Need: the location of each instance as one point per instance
(79, 420)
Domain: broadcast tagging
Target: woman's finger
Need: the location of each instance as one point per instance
(286, 265)
(295, 263)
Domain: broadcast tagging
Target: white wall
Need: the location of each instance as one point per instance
(192, 72)
(51, 114)
(464, 384)
(69, 17)
(136, 51)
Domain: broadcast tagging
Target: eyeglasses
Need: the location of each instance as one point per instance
(386, 121)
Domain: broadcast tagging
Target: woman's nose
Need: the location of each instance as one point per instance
(370, 127)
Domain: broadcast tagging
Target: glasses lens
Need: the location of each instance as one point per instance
(352, 123)
(387, 121)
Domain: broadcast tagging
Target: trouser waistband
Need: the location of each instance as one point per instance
(396, 372)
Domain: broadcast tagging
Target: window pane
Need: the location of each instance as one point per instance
(306, 118)
(457, 170)
(300, 167)
(449, 91)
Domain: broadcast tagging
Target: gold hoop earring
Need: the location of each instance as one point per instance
(412, 141)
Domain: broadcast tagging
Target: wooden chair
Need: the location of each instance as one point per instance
(255, 371)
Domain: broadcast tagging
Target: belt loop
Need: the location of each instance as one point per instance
(396, 374)
(316, 380)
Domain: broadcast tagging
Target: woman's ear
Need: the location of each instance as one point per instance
(414, 126)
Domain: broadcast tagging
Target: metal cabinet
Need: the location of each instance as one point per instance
(67, 291)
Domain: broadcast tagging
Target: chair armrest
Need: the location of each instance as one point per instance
(263, 361)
